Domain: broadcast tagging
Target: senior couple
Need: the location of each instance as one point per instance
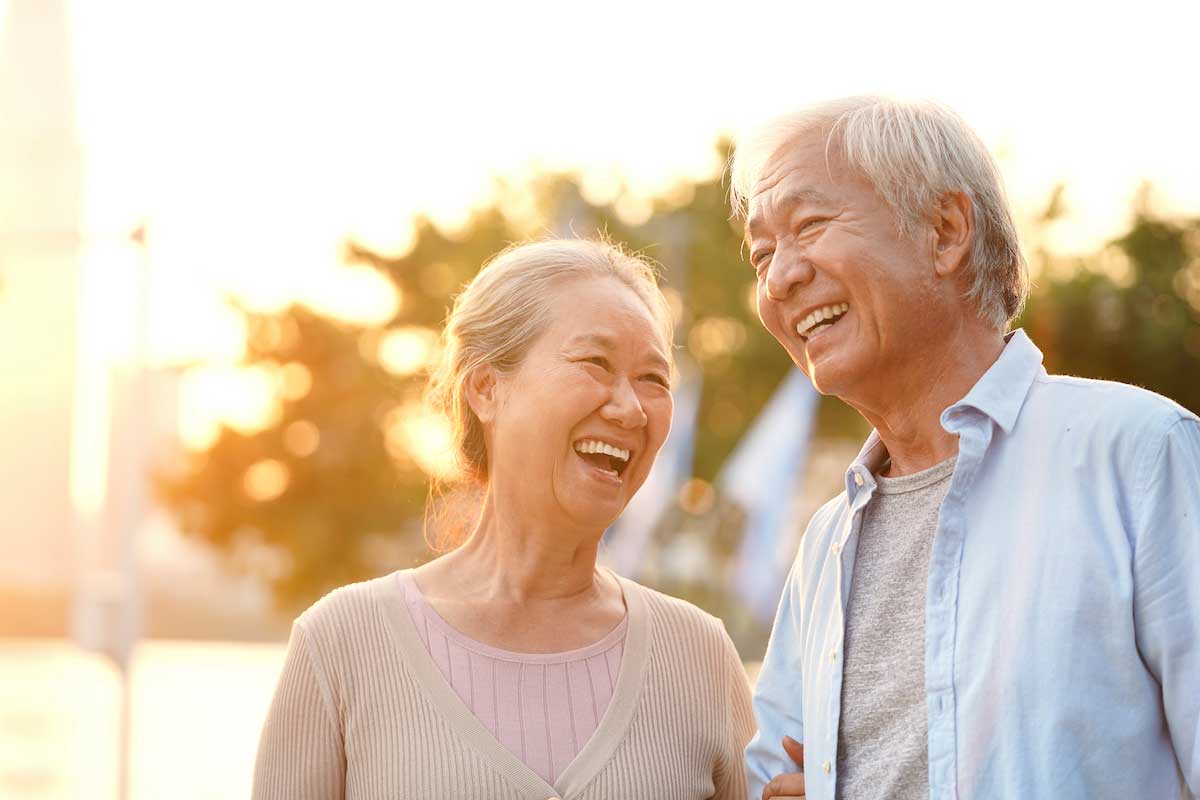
(1003, 603)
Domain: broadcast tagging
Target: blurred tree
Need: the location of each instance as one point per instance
(1130, 312)
(334, 490)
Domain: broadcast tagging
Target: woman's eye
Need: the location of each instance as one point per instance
(810, 223)
(599, 361)
(659, 379)
(759, 260)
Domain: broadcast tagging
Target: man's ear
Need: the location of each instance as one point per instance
(481, 390)
(954, 233)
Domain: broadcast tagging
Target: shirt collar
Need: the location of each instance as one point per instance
(999, 395)
(861, 474)
(1002, 390)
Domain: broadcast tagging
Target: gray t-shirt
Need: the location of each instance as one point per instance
(882, 734)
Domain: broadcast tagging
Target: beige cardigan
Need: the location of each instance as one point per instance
(362, 712)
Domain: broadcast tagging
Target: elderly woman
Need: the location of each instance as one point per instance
(513, 666)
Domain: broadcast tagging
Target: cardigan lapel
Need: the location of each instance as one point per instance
(599, 748)
(617, 717)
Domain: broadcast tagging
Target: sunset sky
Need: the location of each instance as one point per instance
(252, 139)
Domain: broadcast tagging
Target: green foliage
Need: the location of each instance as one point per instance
(354, 507)
(1130, 312)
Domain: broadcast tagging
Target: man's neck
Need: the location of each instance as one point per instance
(908, 415)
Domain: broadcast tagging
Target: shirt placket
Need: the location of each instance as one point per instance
(942, 605)
(842, 553)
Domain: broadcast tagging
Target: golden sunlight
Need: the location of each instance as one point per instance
(266, 480)
(414, 432)
(244, 398)
(302, 438)
(406, 350)
(716, 336)
(295, 380)
(356, 294)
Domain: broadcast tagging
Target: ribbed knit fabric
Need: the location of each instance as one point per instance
(362, 712)
(542, 706)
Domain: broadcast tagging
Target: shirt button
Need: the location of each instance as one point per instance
(833, 654)
(858, 480)
(827, 767)
(836, 549)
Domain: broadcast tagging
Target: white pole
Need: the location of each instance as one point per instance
(136, 504)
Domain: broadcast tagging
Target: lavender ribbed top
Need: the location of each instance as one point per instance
(543, 707)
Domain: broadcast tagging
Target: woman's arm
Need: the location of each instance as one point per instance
(300, 754)
(730, 780)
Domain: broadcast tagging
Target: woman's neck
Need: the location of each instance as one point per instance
(524, 585)
(526, 560)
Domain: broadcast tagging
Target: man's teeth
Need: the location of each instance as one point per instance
(805, 326)
(593, 446)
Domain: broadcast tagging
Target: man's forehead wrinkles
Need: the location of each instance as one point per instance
(765, 203)
(805, 196)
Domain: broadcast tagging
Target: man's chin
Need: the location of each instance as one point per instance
(830, 377)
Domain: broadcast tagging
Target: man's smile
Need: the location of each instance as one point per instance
(820, 318)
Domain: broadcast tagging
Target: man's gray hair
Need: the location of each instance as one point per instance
(913, 154)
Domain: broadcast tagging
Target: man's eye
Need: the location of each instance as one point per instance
(758, 260)
(656, 378)
(599, 361)
(810, 223)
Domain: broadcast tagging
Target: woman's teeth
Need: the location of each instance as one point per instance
(593, 446)
(826, 315)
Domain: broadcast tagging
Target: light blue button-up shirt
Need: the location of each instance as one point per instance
(1062, 612)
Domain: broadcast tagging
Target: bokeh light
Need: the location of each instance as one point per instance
(266, 480)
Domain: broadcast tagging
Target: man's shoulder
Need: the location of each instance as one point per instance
(829, 517)
(1113, 408)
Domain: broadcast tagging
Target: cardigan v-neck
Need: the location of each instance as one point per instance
(598, 749)
(362, 712)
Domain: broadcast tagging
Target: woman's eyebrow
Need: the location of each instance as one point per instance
(606, 342)
(599, 339)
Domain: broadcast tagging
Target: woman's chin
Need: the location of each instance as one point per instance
(593, 512)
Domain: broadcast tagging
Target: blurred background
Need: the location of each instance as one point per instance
(230, 231)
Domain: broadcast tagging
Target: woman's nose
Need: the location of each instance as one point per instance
(624, 407)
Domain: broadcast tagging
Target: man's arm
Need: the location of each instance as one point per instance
(1166, 565)
(778, 693)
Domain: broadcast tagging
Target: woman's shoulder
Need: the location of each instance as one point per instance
(676, 617)
(347, 608)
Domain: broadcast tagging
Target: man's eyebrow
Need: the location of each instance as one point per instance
(660, 362)
(791, 198)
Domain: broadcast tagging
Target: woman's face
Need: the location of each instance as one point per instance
(577, 427)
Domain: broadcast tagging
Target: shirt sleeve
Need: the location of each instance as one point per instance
(730, 780)
(300, 754)
(778, 694)
(1166, 568)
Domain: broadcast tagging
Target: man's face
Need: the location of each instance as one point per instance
(852, 300)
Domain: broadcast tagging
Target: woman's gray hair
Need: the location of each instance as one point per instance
(913, 154)
(508, 305)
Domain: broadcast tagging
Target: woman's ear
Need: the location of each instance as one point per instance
(481, 390)
(954, 233)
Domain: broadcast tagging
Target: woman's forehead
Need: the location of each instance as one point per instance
(604, 313)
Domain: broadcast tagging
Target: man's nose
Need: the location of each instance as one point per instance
(787, 272)
(623, 406)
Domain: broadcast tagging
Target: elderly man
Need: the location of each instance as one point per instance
(1005, 601)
